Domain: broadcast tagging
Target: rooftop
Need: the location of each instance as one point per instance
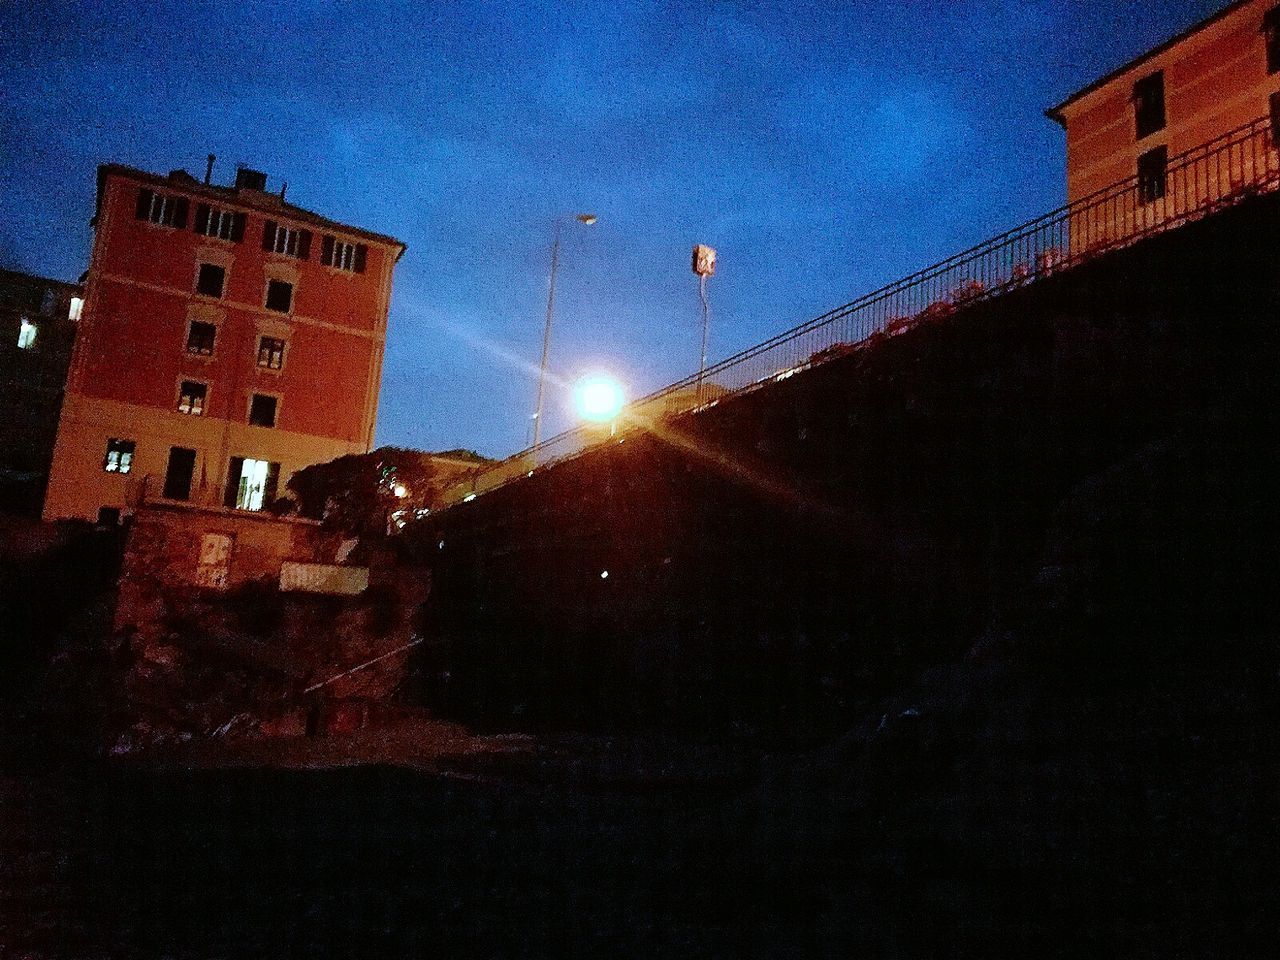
(1055, 113)
(259, 200)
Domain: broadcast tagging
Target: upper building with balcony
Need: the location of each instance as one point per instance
(228, 339)
(1208, 81)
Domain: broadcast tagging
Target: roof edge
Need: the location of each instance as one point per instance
(231, 194)
(1056, 114)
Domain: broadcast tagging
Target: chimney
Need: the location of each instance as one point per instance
(283, 187)
(247, 179)
(208, 170)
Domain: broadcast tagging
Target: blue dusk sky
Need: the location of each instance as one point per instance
(823, 149)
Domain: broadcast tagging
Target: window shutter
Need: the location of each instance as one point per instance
(361, 253)
(180, 205)
(273, 483)
(143, 211)
(233, 482)
(237, 228)
(304, 245)
(326, 252)
(269, 235)
(202, 218)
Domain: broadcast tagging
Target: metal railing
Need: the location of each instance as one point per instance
(1195, 183)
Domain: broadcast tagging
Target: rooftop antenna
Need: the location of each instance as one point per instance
(208, 170)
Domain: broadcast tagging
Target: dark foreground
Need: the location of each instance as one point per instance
(1154, 843)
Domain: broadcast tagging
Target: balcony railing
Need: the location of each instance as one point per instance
(1198, 182)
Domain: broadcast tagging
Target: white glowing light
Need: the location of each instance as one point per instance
(468, 498)
(598, 398)
(604, 574)
(401, 491)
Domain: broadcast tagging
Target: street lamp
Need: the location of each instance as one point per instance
(586, 219)
(598, 398)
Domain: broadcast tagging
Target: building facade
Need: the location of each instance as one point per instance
(1208, 82)
(37, 329)
(228, 338)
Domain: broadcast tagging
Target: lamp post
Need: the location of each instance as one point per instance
(704, 265)
(586, 219)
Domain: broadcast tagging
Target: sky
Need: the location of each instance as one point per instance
(824, 149)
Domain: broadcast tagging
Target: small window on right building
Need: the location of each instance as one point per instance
(279, 296)
(1152, 173)
(1148, 104)
(270, 352)
(1275, 120)
(1271, 31)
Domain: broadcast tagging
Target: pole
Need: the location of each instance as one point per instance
(706, 324)
(546, 334)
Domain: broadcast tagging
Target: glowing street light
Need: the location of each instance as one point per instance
(598, 398)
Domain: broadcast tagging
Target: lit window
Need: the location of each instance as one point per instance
(162, 209)
(222, 224)
(77, 308)
(286, 240)
(27, 334)
(262, 410)
(251, 484)
(200, 338)
(191, 397)
(211, 279)
(270, 352)
(343, 255)
(279, 295)
(119, 458)
(1148, 104)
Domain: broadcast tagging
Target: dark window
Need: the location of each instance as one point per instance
(223, 224)
(291, 241)
(191, 397)
(1275, 119)
(279, 295)
(270, 352)
(211, 279)
(1271, 30)
(343, 255)
(262, 410)
(177, 477)
(1151, 174)
(200, 338)
(119, 458)
(1148, 104)
(162, 209)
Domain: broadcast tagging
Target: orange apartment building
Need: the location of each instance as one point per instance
(1206, 83)
(227, 339)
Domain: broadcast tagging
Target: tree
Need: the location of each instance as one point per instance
(363, 493)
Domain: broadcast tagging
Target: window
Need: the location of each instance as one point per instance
(270, 352)
(286, 240)
(27, 334)
(1271, 30)
(191, 397)
(1148, 104)
(162, 209)
(262, 410)
(251, 484)
(1275, 120)
(200, 337)
(222, 224)
(119, 458)
(343, 255)
(77, 308)
(1151, 174)
(211, 279)
(178, 474)
(279, 295)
